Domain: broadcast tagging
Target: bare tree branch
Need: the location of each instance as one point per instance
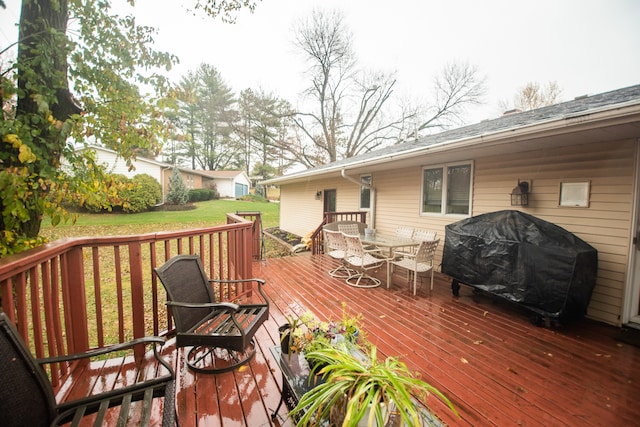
(456, 88)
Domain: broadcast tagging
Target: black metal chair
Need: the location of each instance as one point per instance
(27, 397)
(220, 333)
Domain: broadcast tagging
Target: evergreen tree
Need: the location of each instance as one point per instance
(178, 193)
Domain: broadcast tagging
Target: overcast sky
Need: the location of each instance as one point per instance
(587, 46)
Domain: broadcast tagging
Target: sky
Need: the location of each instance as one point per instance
(586, 46)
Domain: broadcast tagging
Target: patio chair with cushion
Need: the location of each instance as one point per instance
(362, 261)
(27, 396)
(337, 249)
(420, 262)
(219, 332)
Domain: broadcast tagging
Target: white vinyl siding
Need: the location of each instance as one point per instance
(605, 224)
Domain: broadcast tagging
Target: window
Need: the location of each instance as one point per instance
(365, 192)
(446, 190)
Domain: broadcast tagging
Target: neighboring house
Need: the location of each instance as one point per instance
(224, 181)
(230, 184)
(581, 159)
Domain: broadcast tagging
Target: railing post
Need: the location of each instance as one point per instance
(137, 294)
(76, 301)
(247, 257)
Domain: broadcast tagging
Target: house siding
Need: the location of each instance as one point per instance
(116, 164)
(606, 224)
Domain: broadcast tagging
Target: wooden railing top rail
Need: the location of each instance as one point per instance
(11, 264)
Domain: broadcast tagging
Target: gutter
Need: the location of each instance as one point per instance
(372, 216)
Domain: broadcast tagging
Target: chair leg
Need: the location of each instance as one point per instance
(342, 272)
(216, 360)
(373, 282)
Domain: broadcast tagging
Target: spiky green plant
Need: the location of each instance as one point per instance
(361, 384)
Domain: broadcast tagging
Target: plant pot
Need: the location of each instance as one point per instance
(285, 338)
(315, 366)
(337, 416)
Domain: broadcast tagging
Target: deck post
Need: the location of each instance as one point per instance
(137, 295)
(76, 307)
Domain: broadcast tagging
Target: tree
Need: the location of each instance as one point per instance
(206, 115)
(81, 83)
(263, 118)
(352, 109)
(456, 88)
(178, 194)
(532, 96)
(216, 102)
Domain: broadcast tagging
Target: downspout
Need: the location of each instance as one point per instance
(372, 216)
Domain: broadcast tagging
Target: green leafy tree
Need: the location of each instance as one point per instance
(262, 119)
(73, 83)
(178, 194)
(206, 113)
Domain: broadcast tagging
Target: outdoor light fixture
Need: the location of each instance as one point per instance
(318, 195)
(520, 194)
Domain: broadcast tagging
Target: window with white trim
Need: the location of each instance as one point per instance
(365, 192)
(446, 189)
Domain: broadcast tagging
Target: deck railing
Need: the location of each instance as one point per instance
(62, 294)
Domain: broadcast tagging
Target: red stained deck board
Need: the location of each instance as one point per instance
(495, 366)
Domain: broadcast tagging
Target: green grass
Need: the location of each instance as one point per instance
(206, 214)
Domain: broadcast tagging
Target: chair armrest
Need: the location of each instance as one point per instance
(372, 248)
(99, 351)
(227, 306)
(118, 347)
(259, 281)
(404, 254)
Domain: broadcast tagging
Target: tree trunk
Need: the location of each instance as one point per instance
(42, 82)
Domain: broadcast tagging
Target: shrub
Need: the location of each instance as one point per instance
(201, 194)
(108, 195)
(142, 193)
(178, 193)
(252, 198)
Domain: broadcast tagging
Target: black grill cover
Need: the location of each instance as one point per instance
(524, 259)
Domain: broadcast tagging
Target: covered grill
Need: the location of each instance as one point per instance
(523, 259)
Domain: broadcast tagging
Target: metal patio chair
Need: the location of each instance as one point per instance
(362, 261)
(404, 232)
(27, 396)
(420, 234)
(337, 249)
(420, 262)
(219, 332)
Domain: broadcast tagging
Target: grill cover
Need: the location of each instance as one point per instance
(524, 259)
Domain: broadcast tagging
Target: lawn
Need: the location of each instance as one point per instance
(205, 214)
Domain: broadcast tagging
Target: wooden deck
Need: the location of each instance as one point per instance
(496, 367)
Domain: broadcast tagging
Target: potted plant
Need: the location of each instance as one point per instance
(368, 390)
(287, 333)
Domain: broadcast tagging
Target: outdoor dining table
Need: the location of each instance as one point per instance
(390, 242)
